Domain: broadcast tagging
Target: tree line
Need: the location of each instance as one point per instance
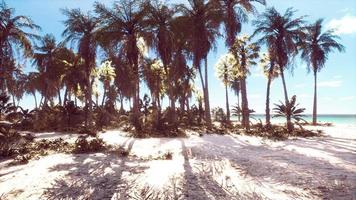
(181, 37)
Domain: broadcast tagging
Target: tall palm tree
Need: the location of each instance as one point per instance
(45, 59)
(271, 70)
(32, 85)
(245, 53)
(235, 86)
(106, 76)
(82, 28)
(204, 20)
(154, 76)
(315, 49)
(182, 74)
(160, 19)
(224, 69)
(124, 24)
(13, 38)
(283, 33)
(235, 12)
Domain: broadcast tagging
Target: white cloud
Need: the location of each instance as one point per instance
(345, 25)
(347, 98)
(337, 77)
(332, 84)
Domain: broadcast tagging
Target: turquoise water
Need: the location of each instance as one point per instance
(334, 119)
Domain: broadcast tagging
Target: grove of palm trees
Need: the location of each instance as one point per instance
(122, 104)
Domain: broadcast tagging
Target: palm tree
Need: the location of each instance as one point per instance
(45, 59)
(271, 70)
(154, 76)
(13, 38)
(315, 49)
(282, 33)
(82, 29)
(124, 24)
(224, 69)
(204, 20)
(235, 86)
(291, 110)
(32, 84)
(182, 74)
(245, 53)
(235, 12)
(106, 75)
(160, 19)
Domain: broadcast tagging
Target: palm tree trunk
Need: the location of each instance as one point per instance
(187, 104)
(206, 95)
(268, 116)
(34, 96)
(289, 123)
(88, 122)
(13, 100)
(104, 95)
(315, 99)
(227, 103)
(59, 96)
(65, 98)
(238, 106)
(245, 110)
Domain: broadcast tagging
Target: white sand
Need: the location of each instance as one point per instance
(209, 167)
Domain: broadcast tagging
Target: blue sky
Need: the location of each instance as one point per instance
(337, 81)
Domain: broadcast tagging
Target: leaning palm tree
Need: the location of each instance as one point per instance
(13, 38)
(124, 25)
(315, 49)
(224, 69)
(204, 20)
(245, 54)
(271, 70)
(82, 28)
(282, 33)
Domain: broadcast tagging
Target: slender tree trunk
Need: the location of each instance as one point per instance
(227, 103)
(104, 96)
(238, 106)
(206, 95)
(13, 100)
(245, 109)
(41, 103)
(65, 98)
(34, 96)
(59, 97)
(187, 104)
(268, 116)
(289, 123)
(315, 99)
(88, 121)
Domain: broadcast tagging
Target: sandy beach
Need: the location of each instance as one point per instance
(208, 167)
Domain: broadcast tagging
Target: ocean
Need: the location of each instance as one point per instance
(337, 119)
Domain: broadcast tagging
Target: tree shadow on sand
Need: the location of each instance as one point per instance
(93, 176)
(282, 166)
(200, 183)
